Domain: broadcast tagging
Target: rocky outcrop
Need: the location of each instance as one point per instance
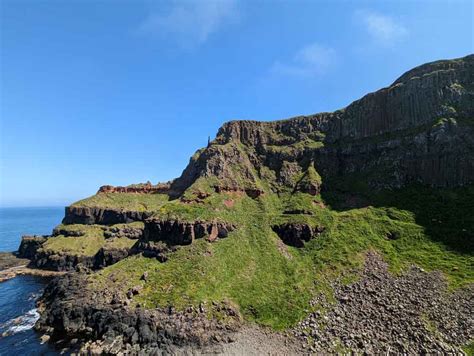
(62, 230)
(153, 249)
(11, 259)
(90, 216)
(419, 129)
(54, 261)
(175, 232)
(143, 188)
(29, 246)
(109, 256)
(124, 231)
(295, 234)
(155, 239)
(120, 326)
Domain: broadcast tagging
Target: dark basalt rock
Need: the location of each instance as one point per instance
(68, 233)
(29, 246)
(152, 249)
(107, 257)
(392, 235)
(90, 216)
(385, 314)
(69, 311)
(54, 261)
(60, 262)
(123, 232)
(296, 235)
(175, 232)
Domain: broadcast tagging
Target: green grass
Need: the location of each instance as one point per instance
(119, 243)
(245, 268)
(469, 349)
(124, 201)
(133, 224)
(89, 243)
(292, 149)
(273, 287)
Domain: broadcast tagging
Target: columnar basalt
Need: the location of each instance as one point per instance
(174, 232)
(92, 215)
(419, 129)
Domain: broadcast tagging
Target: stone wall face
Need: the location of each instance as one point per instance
(420, 129)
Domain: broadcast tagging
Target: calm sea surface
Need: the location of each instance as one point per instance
(18, 295)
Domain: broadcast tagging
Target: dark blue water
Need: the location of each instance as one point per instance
(15, 222)
(18, 295)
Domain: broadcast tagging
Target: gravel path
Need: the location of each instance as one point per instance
(257, 341)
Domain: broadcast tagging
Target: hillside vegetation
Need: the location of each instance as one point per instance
(272, 283)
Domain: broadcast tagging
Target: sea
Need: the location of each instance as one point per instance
(18, 296)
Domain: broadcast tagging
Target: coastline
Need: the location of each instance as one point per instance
(12, 266)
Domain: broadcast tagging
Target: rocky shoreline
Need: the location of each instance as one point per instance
(11, 266)
(105, 322)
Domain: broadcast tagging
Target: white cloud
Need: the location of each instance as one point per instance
(383, 29)
(309, 61)
(191, 21)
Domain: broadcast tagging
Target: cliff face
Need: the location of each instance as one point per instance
(419, 129)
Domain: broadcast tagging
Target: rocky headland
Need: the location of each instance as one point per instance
(350, 231)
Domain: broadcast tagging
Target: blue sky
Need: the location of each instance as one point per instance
(119, 92)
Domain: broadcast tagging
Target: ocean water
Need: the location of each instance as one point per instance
(15, 222)
(18, 295)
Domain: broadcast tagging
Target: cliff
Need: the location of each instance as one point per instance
(419, 129)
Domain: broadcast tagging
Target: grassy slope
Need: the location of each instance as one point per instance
(89, 243)
(272, 283)
(125, 201)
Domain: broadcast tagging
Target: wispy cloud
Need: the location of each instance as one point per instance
(309, 61)
(191, 22)
(382, 28)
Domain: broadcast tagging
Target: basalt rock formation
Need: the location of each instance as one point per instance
(104, 316)
(296, 235)
(92, 215)
(29, 245)
(419, 129)
(174, 232)
(156, 239)
(31, 249)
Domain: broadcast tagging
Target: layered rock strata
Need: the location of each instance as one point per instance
(419, 129)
